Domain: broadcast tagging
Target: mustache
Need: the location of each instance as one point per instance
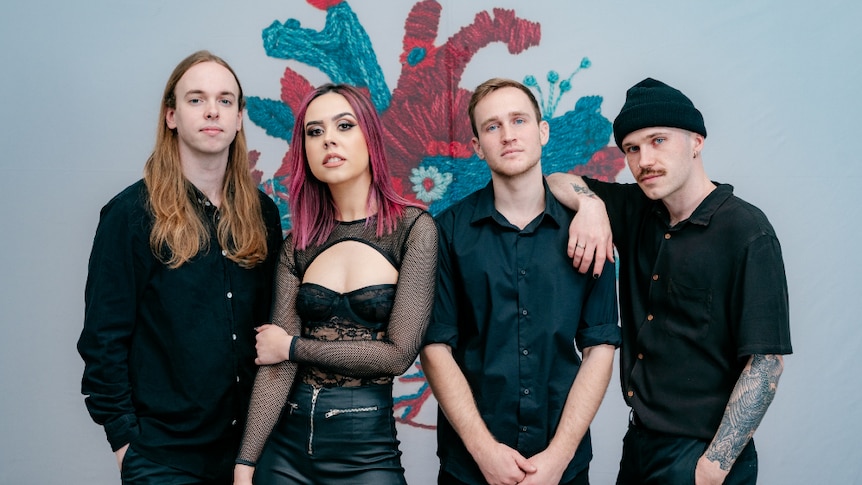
(648, 172)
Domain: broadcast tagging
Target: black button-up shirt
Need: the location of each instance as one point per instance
(513, 309)
(169, 353)
(696, 300)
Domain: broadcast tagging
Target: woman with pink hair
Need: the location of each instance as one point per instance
(353, 298)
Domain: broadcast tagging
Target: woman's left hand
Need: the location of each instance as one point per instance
(273, 345)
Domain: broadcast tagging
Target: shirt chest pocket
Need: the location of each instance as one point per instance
(689, 311)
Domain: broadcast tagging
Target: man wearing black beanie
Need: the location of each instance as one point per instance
(703, 296)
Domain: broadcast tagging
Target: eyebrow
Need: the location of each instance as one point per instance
(659, 132)
(200, 91)
(511, 114)
(339, 115)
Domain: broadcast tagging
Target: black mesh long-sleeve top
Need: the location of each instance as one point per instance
(363, 337)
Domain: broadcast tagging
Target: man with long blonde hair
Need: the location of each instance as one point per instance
(179, 276)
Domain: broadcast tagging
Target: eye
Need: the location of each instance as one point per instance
(519, 121)
(313, 131)
(226, 102)
(492, 127)
(658, 140)
(345, 125)
(632, 149)
(195, 101)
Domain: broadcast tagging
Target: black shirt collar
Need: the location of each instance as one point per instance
(485, 209)
(702, 215)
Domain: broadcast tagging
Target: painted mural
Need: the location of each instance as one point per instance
(426, 130)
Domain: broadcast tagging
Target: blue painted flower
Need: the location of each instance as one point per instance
(429, 184)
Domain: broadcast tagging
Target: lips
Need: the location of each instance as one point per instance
(333, 160)
(211, 130)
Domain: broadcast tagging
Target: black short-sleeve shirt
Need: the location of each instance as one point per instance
(515, 311)
(696, 300)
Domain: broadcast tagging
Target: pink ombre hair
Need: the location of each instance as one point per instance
(311, 207)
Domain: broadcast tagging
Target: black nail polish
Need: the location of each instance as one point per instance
(595, 276)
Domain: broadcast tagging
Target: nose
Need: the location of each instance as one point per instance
(327, 139)
(506, 133)
(645, 157)
(212, 111)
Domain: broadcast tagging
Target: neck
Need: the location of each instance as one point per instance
(519, 199)
(351, 201)
(682, 204)
(207, 175)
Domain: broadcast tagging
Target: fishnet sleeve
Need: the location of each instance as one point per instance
(273, 382)
(409, 319)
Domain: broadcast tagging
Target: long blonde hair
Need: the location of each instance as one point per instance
(179, 230)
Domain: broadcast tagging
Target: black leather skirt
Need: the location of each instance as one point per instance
(333, 436)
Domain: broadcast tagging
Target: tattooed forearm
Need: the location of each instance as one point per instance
(583, 190)
(752, 395)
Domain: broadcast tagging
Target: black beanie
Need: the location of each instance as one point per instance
(653, 103)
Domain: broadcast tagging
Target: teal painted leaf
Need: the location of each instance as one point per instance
(273, 116)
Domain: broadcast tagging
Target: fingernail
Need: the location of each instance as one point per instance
(595, 276)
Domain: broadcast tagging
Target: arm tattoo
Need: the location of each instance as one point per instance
(751, 396)
(583, 190)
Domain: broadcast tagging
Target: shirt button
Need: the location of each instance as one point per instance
(630, 393)
(524, 429)
(523, 272)
(230, 294)
(223, 252)
(526, 392)
(237, 378)
(525, 351)
(640, 356)
(233, 423)
(649, 318)
(524, 311)
(655, 277)
(667, 236)
(234, 336)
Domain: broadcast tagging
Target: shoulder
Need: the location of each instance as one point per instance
(462, 208)
(267, 205)
(746, 217)
(265, 200)
(419, 223)
(125, 219)
(416, 215)
(130, 204)
(269, 209)
(133, 195)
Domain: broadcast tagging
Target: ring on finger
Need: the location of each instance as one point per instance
(579, 246)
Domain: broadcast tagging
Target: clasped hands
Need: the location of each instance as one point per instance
(503, 465)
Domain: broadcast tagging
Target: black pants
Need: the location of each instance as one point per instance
(138, 470)
(582, 478)
(652, 458)
(343, 435)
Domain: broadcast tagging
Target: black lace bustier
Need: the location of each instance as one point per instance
(328, 315)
